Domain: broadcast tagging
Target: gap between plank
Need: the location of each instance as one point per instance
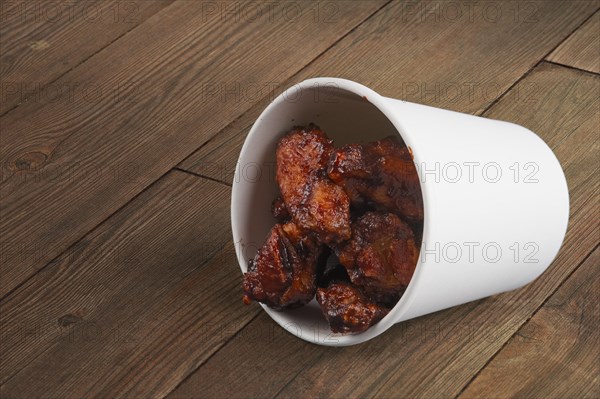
(202, 176)
(486, 109)
(572, 67)
(483, 112)
(176, 169)
(525, 322)
(296, 375)
(180, 161)
(218, 181)
(22, 283)
(213, 137)
(543, 59)
(47, 348)
(187, 377)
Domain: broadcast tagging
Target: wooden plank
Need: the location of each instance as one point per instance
(582, 48)
(262, 349)
(68, 166)
(141, 300)
(437, 355)
(413, 58)
(442, 366)
(41, 40)
(555, 354)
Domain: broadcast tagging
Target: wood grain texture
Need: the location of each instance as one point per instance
(162, 91)
(41, 40)
(418, 52)
(151, 296)
(275, 354)
(138, 304)
(437, 355)
(582, 48)
(555, 354)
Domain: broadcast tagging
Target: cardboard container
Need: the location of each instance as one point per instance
(495, 197)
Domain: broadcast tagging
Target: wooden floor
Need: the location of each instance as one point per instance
(121, 122)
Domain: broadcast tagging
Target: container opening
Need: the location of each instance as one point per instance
(347, 116)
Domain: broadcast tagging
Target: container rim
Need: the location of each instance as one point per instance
(381, 103)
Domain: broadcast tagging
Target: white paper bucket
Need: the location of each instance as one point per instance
(495, 197)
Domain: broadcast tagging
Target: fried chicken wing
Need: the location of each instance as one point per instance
(347, 310)
(381, 175)
(312, 199)
(283, 273)
(381, 256)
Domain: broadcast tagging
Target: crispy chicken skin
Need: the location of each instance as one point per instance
(381, 256)
(284, 271)
(379, 175)
(347, 310)
(314, 202)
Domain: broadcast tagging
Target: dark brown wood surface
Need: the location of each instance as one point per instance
(581, 49)
(117, 274)
(421, 64)
(162, 92)
(568, 324)
(144, 293)
(438, 354)
(42, 40)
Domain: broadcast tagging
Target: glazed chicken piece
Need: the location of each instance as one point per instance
(315, 203)
(279, 210)
(347, 310)
(379, 175)
(283, 273)
(381, 256)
